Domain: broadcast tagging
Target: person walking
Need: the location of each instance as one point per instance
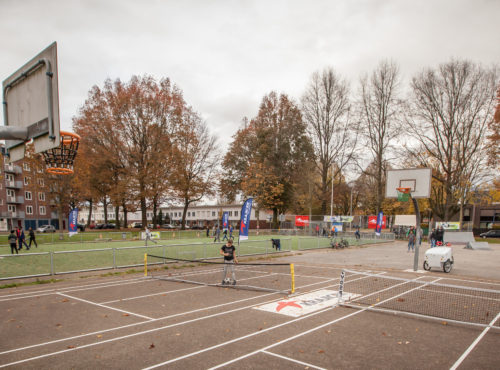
(228, 251)
(317, 230)
(13, 242)
(217, 234)
(225, 235)
(31, 234)
(148, 236)
(208, 231)
(230, 231)
(21, 238)
(411, 239)
(357, 234)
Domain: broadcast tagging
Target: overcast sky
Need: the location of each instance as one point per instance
(227, 54)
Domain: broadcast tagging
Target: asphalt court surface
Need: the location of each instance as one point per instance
(134, 322)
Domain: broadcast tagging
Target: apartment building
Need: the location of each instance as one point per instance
(24, 197)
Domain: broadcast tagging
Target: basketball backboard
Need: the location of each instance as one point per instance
(417, 179)
(31, 105)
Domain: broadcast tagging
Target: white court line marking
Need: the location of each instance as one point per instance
(305, 332)
(293, 360)
(103, 306)
(135, 324)
(473, 345)
(151, 295)
(72, 289)
(143, 322)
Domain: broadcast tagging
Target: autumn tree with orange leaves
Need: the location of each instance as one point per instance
(127, 128)
(268, 154)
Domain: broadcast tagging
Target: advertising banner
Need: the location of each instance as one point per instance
(372, 222)
(73, 222)
(301, 220)
(378, 227)
(449, 225)
(246, 212)
(338, 218)
(225, 220)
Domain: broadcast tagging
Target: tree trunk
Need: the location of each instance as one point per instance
(143, 212)
(105, 206)
(184, 212)
(89, 220)
(117, 216)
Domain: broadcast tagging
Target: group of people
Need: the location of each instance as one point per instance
(17, 237)
(216, 233)
(435, 238)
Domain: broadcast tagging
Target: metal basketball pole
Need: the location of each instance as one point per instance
(418, 234)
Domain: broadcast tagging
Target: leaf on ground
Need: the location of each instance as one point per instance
(99, 336)
(384, 334)
(58, 325)
(260, 329)
(65, 300)
(407, 342)
(177, 334)
(151, 346)
(125, 314)
(444, 323)
(69, 347)
(400, 342)
(301, 350)
(321, 351)
(401, 299)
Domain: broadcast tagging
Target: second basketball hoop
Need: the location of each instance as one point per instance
(60, 160)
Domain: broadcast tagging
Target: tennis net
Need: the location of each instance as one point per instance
(422, 297)
(268, 277)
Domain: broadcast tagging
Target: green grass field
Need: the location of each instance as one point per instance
(106, 253)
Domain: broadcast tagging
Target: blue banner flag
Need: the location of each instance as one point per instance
(380, 219)
(73, 222)
(246, 212)
(225, 220)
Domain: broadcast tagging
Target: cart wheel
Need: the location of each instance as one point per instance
(426, 266)
(447, 266)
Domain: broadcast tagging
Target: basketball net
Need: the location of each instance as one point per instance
(403, 194)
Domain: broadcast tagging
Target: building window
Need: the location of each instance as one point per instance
(27, 180)
(26, 166)
(27, 195)
(213, 213)
(193, 213)
(29, 210)
(41, 196)
(9, 177)
(11, 208)
(42, 210)
(40, 182)
(11, 193)
(235, 213)
(231, 213)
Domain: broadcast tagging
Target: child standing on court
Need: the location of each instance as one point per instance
(228, 251)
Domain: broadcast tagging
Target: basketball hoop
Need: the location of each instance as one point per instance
(403, 194)
(60, 160)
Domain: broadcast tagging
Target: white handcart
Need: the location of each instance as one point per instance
(439, 257)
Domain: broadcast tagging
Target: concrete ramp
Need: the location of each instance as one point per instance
(458, 237)
(478, 245)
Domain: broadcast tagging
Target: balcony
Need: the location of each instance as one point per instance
(15, 200)
(10, 214)
(13, 184)
(12, 168)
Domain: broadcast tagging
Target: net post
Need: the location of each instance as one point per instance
(145, 264)
(340, 300)
(292, 273)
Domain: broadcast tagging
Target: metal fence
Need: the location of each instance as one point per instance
(306, 243)
(14, 266)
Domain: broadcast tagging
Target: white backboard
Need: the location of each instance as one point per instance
(418, 179)
(32, 101)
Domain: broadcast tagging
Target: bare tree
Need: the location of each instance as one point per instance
(380, 116)
(326, 110)
(450, 109)
(196, 159)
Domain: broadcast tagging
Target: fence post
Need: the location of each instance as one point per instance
(114, 258)
(51, 263)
